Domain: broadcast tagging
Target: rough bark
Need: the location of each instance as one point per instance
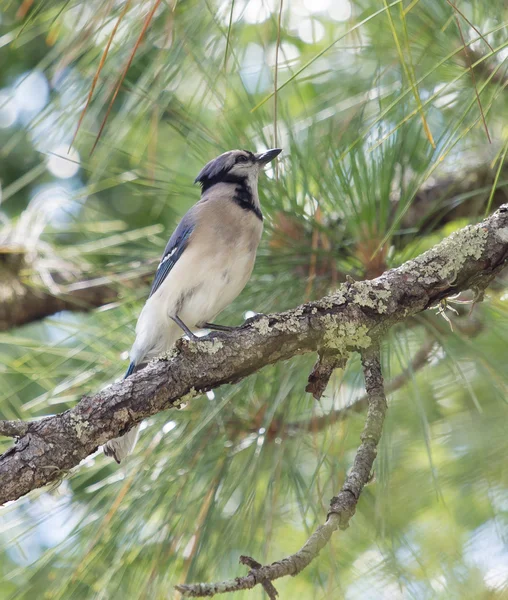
(322, 371)
(353, 318)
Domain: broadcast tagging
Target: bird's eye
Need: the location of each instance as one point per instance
(241, 159)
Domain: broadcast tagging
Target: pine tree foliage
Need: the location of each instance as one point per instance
(384, 110)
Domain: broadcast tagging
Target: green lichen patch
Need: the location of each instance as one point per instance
(171, 353)
(444, 261)
(367, 295)
(502, 234)
(262, 325)
(343, 336)
(289, 324)
(192, 393)
(80, 425)
(337, 298)
(206, 346)
(326, 303)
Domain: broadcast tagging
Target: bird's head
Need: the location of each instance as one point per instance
(235, 166)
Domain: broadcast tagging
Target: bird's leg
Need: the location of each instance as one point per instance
(184, 327)
(216, 327)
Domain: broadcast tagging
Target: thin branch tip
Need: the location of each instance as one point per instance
(348, 320)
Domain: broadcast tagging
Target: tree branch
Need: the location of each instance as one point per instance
(281, 429)
(447, 199)
(353, 318)
(23, 302)
(322, 371)
(451, 198)
(342, 506)
(319, 423)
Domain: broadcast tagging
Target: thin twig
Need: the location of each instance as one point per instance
(267, 585)
(322, 371)
(342, 506)
(420, 359)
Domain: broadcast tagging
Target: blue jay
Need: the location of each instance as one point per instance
(206, 263)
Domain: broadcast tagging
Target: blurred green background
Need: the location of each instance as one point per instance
(385, 129)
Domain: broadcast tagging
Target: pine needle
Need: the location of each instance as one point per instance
(99, 69)
(324, 51)
(473, 78)
(496, 178)
(228, 38)
(275, 94)
(470, 24)
(124, 72)
(408, 70)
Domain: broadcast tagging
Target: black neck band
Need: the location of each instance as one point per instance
(243, 192)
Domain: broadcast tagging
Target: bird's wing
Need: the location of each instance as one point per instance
(174, 249)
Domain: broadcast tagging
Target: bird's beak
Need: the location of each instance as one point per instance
(265, 157)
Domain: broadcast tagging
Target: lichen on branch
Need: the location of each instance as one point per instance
(353, 318)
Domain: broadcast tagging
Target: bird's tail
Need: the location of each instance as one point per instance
(120, 447)
(130, 370)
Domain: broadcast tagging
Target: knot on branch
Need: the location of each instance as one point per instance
(322, 371)
(266, 583)
(344, 506)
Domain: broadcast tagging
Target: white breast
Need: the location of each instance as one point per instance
(209, 275)
(216, 269)
(215, 284)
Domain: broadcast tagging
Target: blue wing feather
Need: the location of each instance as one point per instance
(174, 249)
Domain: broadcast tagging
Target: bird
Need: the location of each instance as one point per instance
(206, 264)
